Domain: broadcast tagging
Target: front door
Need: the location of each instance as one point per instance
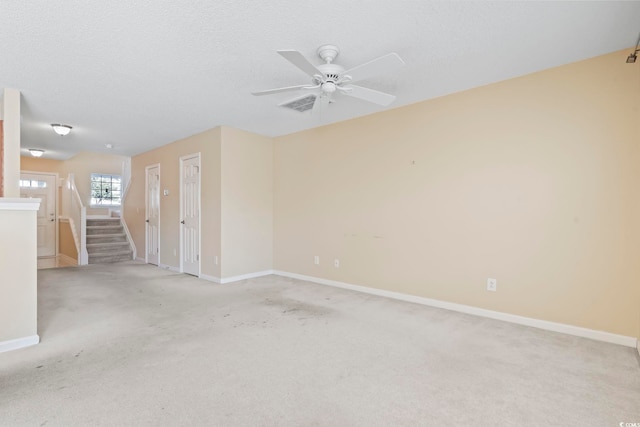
(190, 214)
(42, 186)
(153, 214)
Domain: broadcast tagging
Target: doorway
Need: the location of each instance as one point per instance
(43, 186)
(152, 213)
(190, 214)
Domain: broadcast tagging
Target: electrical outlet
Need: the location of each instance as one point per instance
(492, 284)
(316, 260)
(336, 263)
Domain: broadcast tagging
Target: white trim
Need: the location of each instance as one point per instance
(181, 161)
(19, 204)
(126, 175)
(67, 258)
(505, 317)
(638, 347)
(146, 211)
(209, 278)
(169, 267)
(246, 276)
(19, 343)
(56, 200)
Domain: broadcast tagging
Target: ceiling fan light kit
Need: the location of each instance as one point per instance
(328, 79)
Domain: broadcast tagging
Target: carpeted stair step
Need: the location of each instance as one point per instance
(104, 229)
(108, 257)
(107, 247)
(106, 238)
(102, 221)
(106, 241)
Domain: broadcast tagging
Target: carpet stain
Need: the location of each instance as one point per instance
(292, 306)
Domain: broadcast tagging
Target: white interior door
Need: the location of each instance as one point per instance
(43, 186)
(190, 214)
(153, 214)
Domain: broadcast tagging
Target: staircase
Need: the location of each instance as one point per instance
(106, 241)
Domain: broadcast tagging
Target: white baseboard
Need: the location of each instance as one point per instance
(170, 268)
(210, 278)
(236, 278)
(246, 276)
(19, 343)
(512, 318)
(67, 258)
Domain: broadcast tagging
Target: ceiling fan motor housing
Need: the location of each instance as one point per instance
(328, 52)
(332, 72)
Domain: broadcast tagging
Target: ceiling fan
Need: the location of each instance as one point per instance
(329, 78)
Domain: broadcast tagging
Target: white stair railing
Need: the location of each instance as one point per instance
(76, 213)
(126, 181)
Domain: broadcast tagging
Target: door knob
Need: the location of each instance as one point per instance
(146, 220)
(52, 219)
(182, 222)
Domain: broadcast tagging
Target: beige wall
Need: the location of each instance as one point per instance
(532, 181)
(247, 202)
(18, 270)
(208, 145)
(236, 197)
(38, 164)
(82, 165)
(67, 246)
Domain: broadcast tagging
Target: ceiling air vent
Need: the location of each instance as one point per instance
(301, 104)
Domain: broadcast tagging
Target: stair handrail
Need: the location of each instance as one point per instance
(76, 212)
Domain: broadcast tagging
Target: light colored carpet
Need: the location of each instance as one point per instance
(131, 344)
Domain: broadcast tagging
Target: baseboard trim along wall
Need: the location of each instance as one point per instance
(512, 318)
(19, 343)
(169, 267)
(67, 259)
(236, 278)
(246, 276)
(209, 278)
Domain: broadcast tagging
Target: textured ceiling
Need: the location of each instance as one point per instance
(142, 73)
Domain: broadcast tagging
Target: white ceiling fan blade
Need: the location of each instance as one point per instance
(300, 61)
(278, 90)
(370, 95)
(320, 105)
(386, 64)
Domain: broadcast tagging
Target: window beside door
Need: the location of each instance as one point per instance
(106, 189)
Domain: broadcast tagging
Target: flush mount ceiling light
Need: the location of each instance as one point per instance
(61, 130)
(36, 152)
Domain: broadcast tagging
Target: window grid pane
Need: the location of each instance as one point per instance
(105, 189)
